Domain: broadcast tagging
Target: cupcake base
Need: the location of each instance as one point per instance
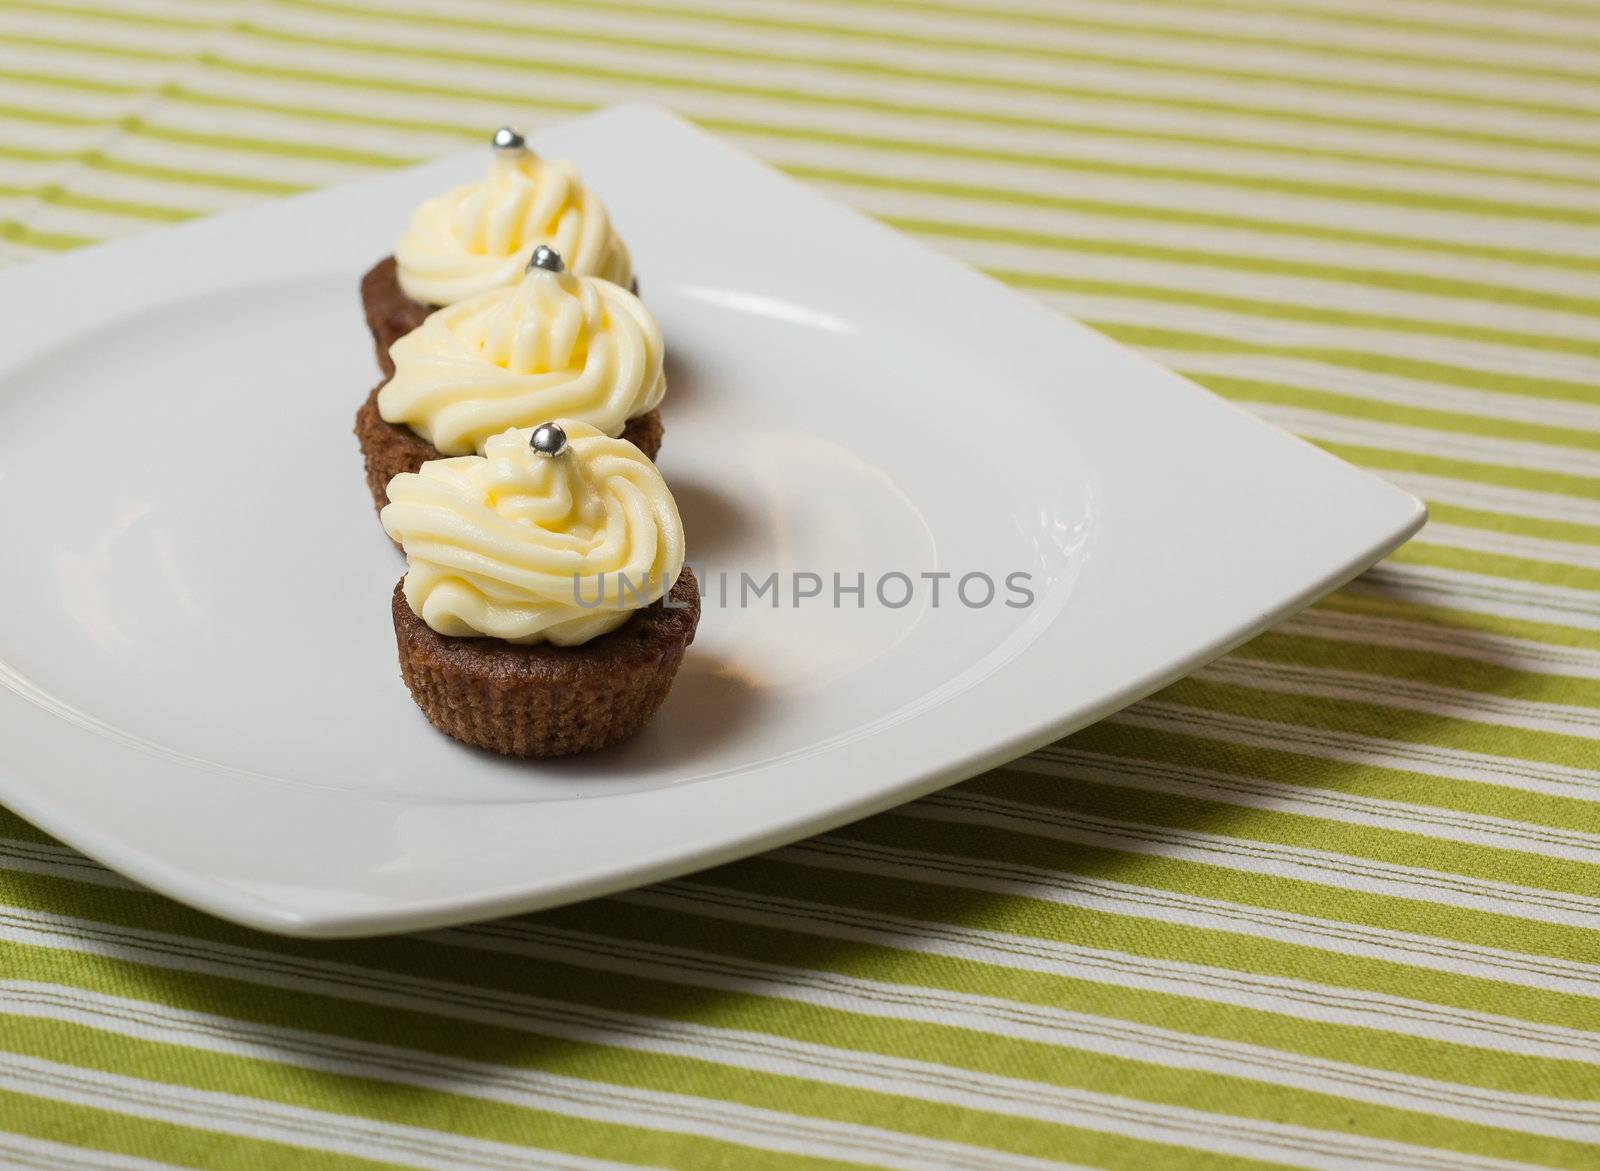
(389, 449)
(391, 314)
(542, 700)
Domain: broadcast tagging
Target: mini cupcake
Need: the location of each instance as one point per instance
(477, 237)
(546, 606)
(553, 345)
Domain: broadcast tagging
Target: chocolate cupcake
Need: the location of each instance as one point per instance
(477, 237)
(555, 344)
(545, 607)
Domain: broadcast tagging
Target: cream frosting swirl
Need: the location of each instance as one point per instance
(477, 236)
(528, 548)
(554, 345)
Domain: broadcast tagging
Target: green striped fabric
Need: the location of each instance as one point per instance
(1333, 901)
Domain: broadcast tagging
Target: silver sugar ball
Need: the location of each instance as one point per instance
(548, 439)
(547, 258)
(509, 141)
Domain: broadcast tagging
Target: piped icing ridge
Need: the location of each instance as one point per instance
(553, 345)
(528, 547)
(477, 236)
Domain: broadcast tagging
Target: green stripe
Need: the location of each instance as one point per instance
(1514, 523)
(1500, 475)
(1456, 422)
(1425, 370)
(1369, 719)
(138, 125)
(1423, 552)
(1292, 311)
(1140, 812)
(54, 195)
(1422, 667)
(1467, 621)
(19, 233)
(1195, 748)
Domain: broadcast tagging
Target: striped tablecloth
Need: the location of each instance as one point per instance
(1332, 902)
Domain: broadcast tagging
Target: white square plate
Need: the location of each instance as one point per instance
(200, 682)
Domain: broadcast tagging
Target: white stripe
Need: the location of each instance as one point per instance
(1476, 540)
(1493, 23)
(1406, 694)
(58, 862)
(1310, 292)
(1554, 21)
(1512, 654)
(67, 64)
(94, 182)
(1111, 312)
(1389, 388)
(1456, 589)
(1305, 800)
(171, 42)
(1296, 863)
(36, 1154)
(1487, 449)
(1429, 759)
(1131, 973)
(1498, 498)
(58, 100)
(89, 225)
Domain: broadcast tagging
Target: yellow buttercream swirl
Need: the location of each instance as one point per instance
(532, 548)
(478, 236)
(554, 345)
